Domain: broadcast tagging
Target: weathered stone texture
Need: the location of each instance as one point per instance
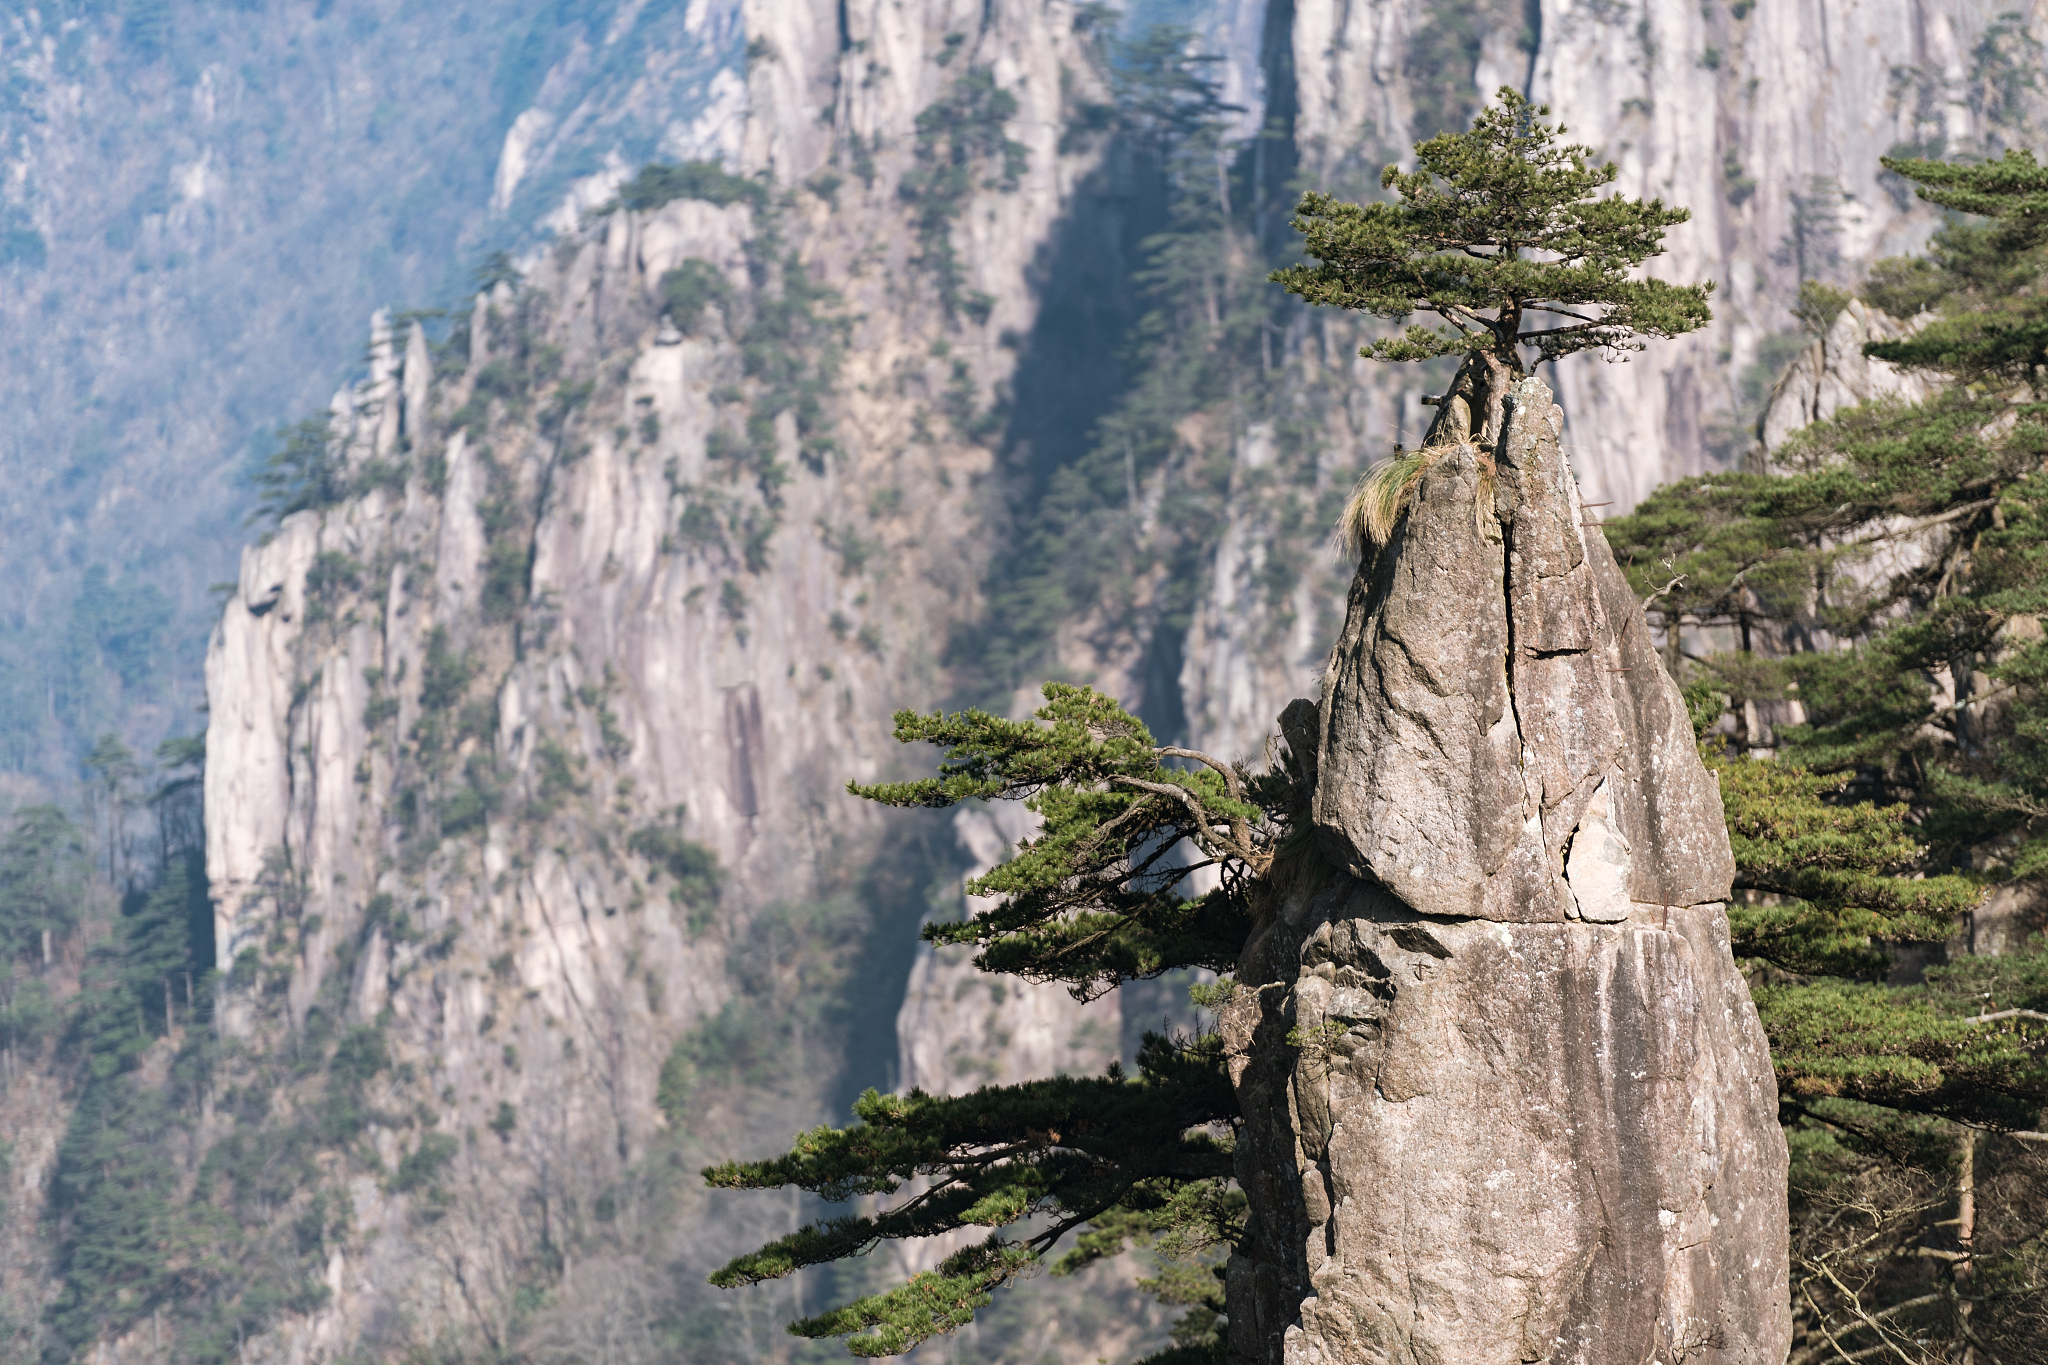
(1495, 673)
(1833, 373)
(1514, 1142)
(1506, 1098)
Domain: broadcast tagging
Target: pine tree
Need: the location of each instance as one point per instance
(1203, 327)
(307, 470)
(1100, 896)
(1497, 232)
(1097, 898)
(43, 869)
(1992, 320)
(1898, 566)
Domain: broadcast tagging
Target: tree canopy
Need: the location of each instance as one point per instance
(1498, 232)
(1095, 899)
(1881, 591)
(1983, 280)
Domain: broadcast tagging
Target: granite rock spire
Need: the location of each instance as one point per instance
(1506, 1098)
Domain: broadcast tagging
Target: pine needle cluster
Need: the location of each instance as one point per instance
(1099, 896)
(1889, 579)
(1983, 281)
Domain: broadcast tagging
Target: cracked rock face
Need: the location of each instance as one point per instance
(1493, 676)
(1506, 1098)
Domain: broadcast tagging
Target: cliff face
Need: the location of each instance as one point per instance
(201, 206)
(1505, 1095)
(1832, 373)
(531, 756)
(1768, 126)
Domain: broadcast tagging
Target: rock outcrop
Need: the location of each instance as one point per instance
(529, 754)
(1833, 373)
(1506, 1098)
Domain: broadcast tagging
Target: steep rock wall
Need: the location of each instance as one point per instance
(1505, 1095)
(719, 703)
(628, 591)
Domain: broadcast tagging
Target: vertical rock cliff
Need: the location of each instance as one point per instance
(528, 755)
(201, 207)
(1505, 1095)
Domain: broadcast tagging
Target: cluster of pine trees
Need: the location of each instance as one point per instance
(1883, 587)
(1880, 591)
(106, 946)
(158, 1220)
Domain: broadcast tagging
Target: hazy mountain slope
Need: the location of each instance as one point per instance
(200, 204)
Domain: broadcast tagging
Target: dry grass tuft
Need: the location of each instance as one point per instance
(1377, 503)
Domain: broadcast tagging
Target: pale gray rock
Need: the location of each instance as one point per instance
(1506, 1098)
(1493, 1144)
(1833, 373)
(684, 686)
(1493, 673)
(417, 385)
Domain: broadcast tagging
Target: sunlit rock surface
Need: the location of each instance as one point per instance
(1506, 1098)
(1833, 373)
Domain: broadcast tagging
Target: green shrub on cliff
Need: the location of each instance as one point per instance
(663, 182)
(305, 470)
(1981, 279)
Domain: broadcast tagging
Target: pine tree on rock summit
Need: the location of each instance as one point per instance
(1497, 232)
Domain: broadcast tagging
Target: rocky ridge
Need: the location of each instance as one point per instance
(531, 755)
